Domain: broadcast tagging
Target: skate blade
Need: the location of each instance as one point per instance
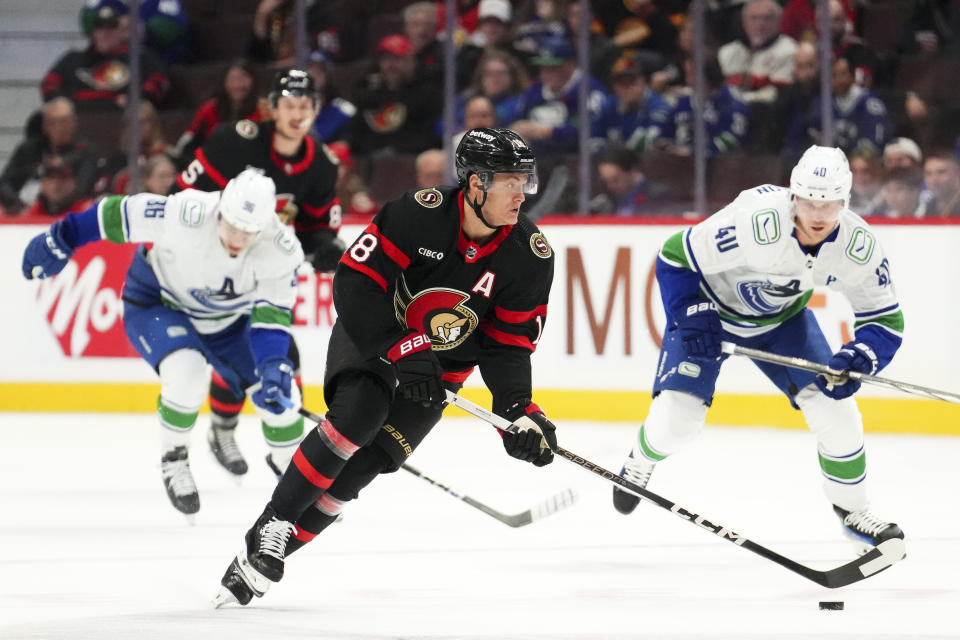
(223, 597)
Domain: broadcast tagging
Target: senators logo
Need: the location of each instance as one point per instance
(108, 76)
(388, 119)
(440, 313)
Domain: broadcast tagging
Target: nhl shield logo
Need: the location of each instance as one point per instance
(429, 198)
(541, 248)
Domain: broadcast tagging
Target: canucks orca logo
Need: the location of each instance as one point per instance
(762, 296)
(219, 300)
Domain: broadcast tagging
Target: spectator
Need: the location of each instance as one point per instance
(941, 173)
(164, 24)
(335, 112)
(933, 28)
(726, 115)
(274, 33)
(902, 194)
(603, 52)
(762, 60)
(669, 81)
(235, 99)
(645, 28)
(863, 63)
(902, 152)
(866, 193)
(799, 19)
(860, 117)
(478, 112)
(530, 35)
(431, 168)
(420, 27)
(58, 139)
(398, 110)
(786, 131)
(501, 78)
(152, 142)
(549, 108)
(98, 77)
(158, 174)
(493, 32)
(58, 190)
(351, 190)
(638, 117)
(626, 192)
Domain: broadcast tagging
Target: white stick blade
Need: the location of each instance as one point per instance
(893, 551)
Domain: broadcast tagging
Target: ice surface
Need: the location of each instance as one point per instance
(90, 547)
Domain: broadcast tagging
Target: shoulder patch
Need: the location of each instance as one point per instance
(429, 198)
(861, 246)
(191, 213)
(541, 248)
(766, 226)
(247, 129)
(285, 241)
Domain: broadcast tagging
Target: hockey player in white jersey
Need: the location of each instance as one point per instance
(745, 275)
(217, 286)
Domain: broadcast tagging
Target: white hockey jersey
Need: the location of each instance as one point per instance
(753, 267)
(196, 273)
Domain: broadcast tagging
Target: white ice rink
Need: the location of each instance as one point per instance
(90, 547)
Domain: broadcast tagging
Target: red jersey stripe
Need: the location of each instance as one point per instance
(364, 269)
(507, 338)
(392, 250)
(519, 316)
(338, 439)
(313, 476)
(210, 169)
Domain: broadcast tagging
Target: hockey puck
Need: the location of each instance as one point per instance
(831, 606)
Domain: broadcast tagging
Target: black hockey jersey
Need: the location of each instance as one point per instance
(306, 183)
(486, 305)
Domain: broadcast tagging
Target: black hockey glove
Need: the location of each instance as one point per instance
(700, 330)
(535, 437)
(853, 356)
(328, 255)
(418, 370)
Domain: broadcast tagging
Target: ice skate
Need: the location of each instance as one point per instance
(178, 481)
(225, 450)
(865, 529)
(267, 543)
(638, 471)
(240, 583)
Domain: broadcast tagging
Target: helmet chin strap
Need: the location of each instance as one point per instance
(477, 208)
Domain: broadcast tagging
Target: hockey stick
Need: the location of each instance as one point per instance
(876, 560)
(540, 510)
(839, 377)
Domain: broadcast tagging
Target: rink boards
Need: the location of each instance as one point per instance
(63, 347)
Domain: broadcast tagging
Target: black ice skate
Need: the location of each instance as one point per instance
(182, 491)
(225, 450)
(267, 543)
(240, 583)
(637, 471)
(866, 529)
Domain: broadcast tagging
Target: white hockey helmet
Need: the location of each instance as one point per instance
(823, 173)
(249, 201)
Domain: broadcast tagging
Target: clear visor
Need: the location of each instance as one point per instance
(509, 182)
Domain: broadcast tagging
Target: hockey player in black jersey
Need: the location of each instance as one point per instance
(442, 281)
(305, 173)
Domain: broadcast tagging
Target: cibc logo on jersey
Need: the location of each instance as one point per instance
(440, 313)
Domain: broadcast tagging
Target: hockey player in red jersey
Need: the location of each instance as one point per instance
(305, 173)
(442, 281)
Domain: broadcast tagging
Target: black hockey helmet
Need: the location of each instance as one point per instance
(486, 151)
(293, 82)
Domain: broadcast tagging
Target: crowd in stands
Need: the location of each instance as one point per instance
(379, 66)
